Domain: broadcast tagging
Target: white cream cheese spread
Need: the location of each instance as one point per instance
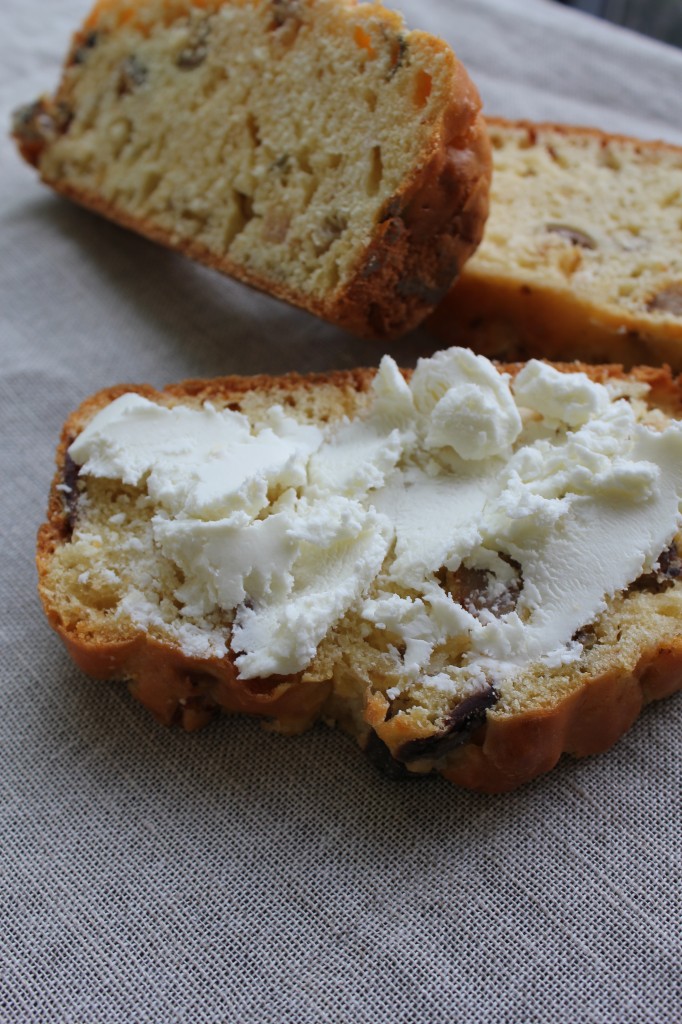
(547, 491)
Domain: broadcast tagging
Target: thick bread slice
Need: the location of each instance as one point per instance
(582, 254)
(312, 148)
(492, 740)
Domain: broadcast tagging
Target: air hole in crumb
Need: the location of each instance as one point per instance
(150, 184)
(398, 55)
(245, 205)
(253, 129)
(607, 158)
(303, 161)
(371, 99)
(333, 276)
(286, 20)
(376, 171)
(364, 41)
(557, 157)
(99, 600)
(422, 87)
(326, 233)
(529, 139)
(212, 82)
(586, 636)
(575, 236)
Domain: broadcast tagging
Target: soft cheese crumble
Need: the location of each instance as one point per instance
(462, 509)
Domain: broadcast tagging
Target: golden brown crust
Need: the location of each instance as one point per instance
(438, 224)
(504, 752)
(507, 319)
(534, 128)
(425, 235)
(508, 751)
(503, 316)
(516, 749)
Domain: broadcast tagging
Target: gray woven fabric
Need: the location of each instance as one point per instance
(234, 875)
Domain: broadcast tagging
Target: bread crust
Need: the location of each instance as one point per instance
(424, 235)
(534, 128)
(503, 316)
(503, 752)
(510, 750)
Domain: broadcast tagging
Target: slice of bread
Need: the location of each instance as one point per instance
(126, 607)
(312, 148)
(582, 254)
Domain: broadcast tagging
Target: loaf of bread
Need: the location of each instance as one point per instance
(314, 149)
(582, 254)
(469, 568)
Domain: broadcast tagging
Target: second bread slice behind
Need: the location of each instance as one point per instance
(582, 255)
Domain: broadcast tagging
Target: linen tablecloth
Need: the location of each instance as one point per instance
(235, 875)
